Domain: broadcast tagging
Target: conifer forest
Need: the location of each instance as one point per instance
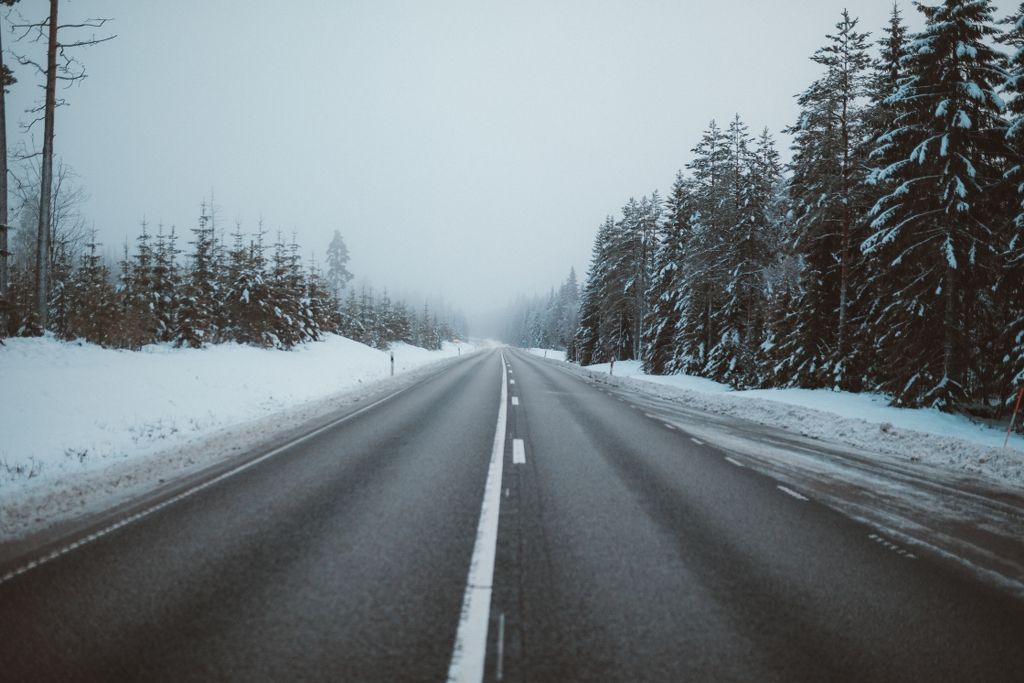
(887, 256)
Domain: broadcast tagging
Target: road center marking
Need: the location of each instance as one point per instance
(791, 492)
(515, 400)
(470, 651)
(499, 669)
(518, 452)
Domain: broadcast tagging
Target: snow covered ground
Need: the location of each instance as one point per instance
(866, 421)
(553, 354)
(84, 426)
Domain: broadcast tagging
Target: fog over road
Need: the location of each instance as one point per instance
(625, 549)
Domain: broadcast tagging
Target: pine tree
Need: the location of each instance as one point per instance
(61, 300)
(887, 72)
(402, 323)
(828, 199)
(139, 299)
(93, 309)
(351, 326)
(695, 333)
(132, 331)
(323, 305)
(933, 236)
(669, 293)
(567, 318)
(385, 333)
(369, 323)
(1011, 288)
(286, 291)
(198, 313)
(426, 332)
(247, 298)
(338, 275)
(881, 116)
(745, 259)
(165, 285)
(730, 316)
(589, 344)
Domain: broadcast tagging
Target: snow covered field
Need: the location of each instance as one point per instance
(82, 425)
(866, 421)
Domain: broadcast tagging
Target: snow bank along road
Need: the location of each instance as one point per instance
(587, 537)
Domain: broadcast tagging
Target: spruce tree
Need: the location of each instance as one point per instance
(61, 300)
(93, 310)
(338, 275)
(828, 200)
(1011, 289)
(139, 299)
(351, 326)
(934, 235)
(323, 305)
(668, 291)
(702, 281)
(165, 284)
(247, 298)
(290, 319)
(745, 259)
(589, 343)
(568, 311)
(198, 313)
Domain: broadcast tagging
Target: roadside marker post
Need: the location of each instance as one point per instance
(1013, 418)
(392, 363)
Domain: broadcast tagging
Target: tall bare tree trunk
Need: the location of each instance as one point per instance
(4, 277)
(43, 245)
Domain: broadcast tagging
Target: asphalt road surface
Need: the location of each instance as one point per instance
(602, 544)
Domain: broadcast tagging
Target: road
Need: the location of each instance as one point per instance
(604, 543)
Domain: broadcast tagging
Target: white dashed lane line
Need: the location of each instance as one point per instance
(791, 492)
(734, 462)
(518, 452)
(698, 442)
(515, 400)
(668, 426)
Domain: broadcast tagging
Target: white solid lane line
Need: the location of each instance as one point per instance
(518, 452)
(734, 462)
(791, 492)
(515, 400)
(697, 441)
(470, 651)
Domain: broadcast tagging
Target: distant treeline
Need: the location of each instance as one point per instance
(239, 289)
(547, 322)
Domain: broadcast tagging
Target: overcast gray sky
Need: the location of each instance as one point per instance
(464, 149)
